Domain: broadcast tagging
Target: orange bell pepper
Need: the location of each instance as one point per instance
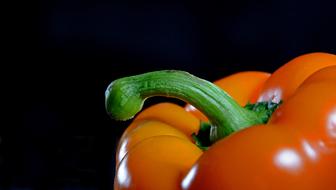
(251, 147)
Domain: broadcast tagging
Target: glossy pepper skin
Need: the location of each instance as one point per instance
(156, 150)
(295, 150)
(280, 86)
(286, 153)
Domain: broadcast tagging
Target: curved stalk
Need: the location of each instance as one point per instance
(125, 97)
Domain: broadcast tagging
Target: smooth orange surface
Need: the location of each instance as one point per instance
(153, 122)
(156, 163)
(321, 87)
(284, 81)
(170, 114)
(295, 151)
(146, 129)
(243, 87)
(325, 74)
(155, 151)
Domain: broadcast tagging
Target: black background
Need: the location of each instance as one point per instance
(64, 53)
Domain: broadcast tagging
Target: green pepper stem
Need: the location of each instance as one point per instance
(125, 97)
